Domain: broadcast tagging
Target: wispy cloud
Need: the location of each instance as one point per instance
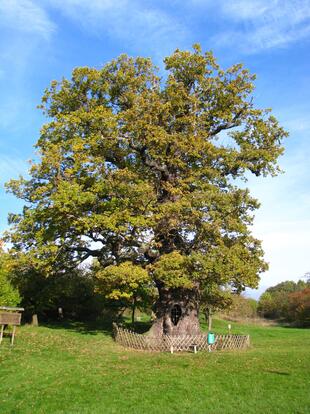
(244, 9)
(26, 36)
(301, 123)
(12, 167)
(25, 16)
(261, 24)
(137, 22)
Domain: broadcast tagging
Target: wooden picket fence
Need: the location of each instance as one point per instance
(168, 343)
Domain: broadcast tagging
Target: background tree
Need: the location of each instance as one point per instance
(279, 301)
(241, 307)
(298, 310)
(214, 298)
(43, 292)
(307, 277)
(125, 286)
(134, 168)
(266, 307)
(9, 296)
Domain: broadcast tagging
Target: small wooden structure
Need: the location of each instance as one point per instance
(9, 316)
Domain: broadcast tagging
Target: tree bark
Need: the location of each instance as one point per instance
(177, 312)
(133, 311)
(209, 317)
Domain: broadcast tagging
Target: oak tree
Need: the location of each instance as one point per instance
(145, 170)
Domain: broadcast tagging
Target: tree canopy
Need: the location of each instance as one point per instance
(142, 171)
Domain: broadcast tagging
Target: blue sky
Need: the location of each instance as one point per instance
(42, 40)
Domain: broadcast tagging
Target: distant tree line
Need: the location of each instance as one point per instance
(289, 301)
(241, 307)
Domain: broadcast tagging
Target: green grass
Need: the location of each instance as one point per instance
(76, 369)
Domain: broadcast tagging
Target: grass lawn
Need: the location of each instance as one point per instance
(74, 369)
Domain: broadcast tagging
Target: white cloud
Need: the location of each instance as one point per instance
(134, 21)
(245, 9)
(286, 11)
(25, 16)
(26, 34)
(261, 24)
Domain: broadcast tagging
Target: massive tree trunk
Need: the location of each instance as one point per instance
(177, 312)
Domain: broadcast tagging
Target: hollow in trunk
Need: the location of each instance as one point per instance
(177, 312)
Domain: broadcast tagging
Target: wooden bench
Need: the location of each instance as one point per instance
(9, 316)
(194, 347)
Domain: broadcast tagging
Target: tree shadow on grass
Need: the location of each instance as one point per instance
(84, 327)
(96, 327)
(294, 325)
